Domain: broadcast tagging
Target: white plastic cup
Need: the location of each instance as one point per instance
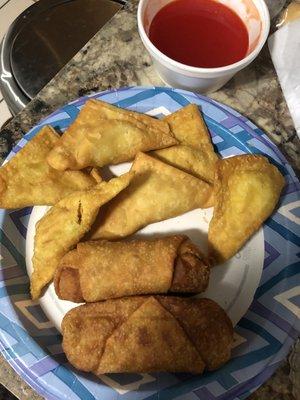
(254, 14)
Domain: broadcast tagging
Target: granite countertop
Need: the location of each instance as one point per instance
(115, 57)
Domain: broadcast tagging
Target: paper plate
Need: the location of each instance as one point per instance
(259, 287)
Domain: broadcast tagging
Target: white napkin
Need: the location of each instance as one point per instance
(284, 46)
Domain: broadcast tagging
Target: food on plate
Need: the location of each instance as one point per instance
(147, 334)
(65, 224)
(103, 134)
(198, 162)
(157, 192)
(100, 270)
(189, 128)
(195, 153)
(96, 174)
(66, 278)
(28, 180)
(109, 111)
(129, 325)
(247, 190)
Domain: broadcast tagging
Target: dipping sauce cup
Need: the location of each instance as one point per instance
(253, 13)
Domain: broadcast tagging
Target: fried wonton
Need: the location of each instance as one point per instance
(157, 192)
(188, 127)
(248, 189)
(28, 180)
(195, 161)
(65, 224)
(104, 134)
(109, 111)
(195, 153)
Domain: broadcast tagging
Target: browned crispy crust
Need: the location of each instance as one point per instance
(101, 270)
(191, 269)
(147, 334)
(206, 324)
(66, 282)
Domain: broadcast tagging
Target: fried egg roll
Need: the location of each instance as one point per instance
(103, 270)
(147, 334)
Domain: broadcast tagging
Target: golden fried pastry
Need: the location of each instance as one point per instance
(103, 134)
(95, 173)
(147, 334)
(64, 225)
(100, 270)
(108, 111)
(157, 192)
(248, 189)
(195, 153)
(188, 127)
(200, 162)
(28, 180)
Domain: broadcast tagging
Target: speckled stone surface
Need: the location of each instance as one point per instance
(115, 57)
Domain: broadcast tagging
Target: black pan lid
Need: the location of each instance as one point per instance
(44, 38)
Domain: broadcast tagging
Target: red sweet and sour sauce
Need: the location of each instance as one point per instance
(199, 33)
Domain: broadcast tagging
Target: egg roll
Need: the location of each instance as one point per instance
(103, 134)
(28, 180)
(64, 225)
(147, 334)
(100, 270)
(248, 188)
(157, 192)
